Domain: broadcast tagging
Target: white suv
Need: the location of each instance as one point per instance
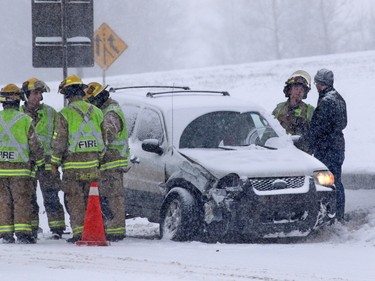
(207, 166)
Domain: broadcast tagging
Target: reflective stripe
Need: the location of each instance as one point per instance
(114, 164)
(124, 144)
(15, 173)
(56, 224)
(40, 162)
(7, 228)
(22, 227)
(35, 223)
(81, 165)
(77, 230)
(55, 160)
(115, 231)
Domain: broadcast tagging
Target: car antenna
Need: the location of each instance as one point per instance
(172, 119)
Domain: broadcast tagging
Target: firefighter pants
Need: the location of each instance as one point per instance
(15, 203)
(34, 210)
(111, 191)
(50, 185)
(75, 195)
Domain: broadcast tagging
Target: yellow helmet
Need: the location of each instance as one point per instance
(34, 84)
(93, 89)
(69, 81)
(71, 85)
(11, 93)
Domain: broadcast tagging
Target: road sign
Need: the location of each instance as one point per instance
(108, 46)
(62, 33)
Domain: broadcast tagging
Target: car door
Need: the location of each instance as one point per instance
(143, 193)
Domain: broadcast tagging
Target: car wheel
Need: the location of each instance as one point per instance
(179, 219)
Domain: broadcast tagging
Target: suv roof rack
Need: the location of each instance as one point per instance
(151, 95)
(112, 90)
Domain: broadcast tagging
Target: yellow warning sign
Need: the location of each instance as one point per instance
(108, 46)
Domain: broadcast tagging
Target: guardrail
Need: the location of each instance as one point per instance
(358, 181)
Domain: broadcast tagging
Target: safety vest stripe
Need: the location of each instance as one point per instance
(122, 143)
(114, 164)
(6, 228)
(14, 143)
(77, 230)
(116, 231)
(22, 227)
(15, 173)
(81, 165)
(86, 121)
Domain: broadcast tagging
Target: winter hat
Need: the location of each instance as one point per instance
(324, 76)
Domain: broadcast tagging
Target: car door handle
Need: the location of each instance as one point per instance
(134, 159)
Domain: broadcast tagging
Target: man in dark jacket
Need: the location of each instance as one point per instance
(325, 139)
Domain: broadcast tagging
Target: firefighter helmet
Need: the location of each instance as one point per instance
(299, 77)
(34, 84)
(71, 85)
(96, 93)
(93, 89)
(11, 93)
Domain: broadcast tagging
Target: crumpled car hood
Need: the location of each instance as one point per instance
(255, 162)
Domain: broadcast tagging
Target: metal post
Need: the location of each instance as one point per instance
(64, 42)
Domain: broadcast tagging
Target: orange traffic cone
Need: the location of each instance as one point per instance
(93, 229)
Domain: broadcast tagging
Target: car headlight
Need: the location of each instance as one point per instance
(325, 178)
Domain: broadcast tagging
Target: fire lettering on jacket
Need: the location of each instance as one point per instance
(8, 155)
(87, 144)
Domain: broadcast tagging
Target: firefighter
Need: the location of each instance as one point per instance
(295, 115)
(77, 147)
(114, 163)
(20, 152)
(43, 117)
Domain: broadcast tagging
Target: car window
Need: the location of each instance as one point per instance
(263, 130)
(130, 112)
(150, 126)
(226, 128)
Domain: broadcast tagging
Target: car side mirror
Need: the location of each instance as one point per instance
(152, 145)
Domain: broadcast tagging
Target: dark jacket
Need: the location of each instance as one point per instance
(325, 138)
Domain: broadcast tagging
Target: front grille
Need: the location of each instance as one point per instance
(267, 184)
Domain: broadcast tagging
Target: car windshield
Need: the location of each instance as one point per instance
(227, 129)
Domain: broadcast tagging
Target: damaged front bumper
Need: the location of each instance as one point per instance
(243, 210)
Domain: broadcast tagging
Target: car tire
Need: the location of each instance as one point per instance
(179, 216)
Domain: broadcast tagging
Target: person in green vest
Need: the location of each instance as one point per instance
(78, 147)
(114, 163)
(295, 115)
(43, 117)
(20, 152)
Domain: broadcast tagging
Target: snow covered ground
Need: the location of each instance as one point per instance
(341, 252)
